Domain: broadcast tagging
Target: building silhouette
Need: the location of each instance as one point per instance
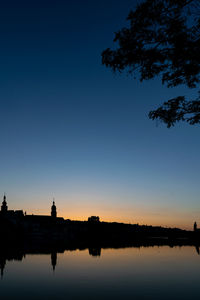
(94, 219)
(53, 210)
(4, 207)
(17, 224)
(9, 214)
(6, 213)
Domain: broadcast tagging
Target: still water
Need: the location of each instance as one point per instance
(126, 273)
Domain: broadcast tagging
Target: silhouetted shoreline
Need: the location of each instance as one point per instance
(16, 228)
(81, 232)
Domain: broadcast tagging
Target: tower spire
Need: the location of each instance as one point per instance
(53, 210)
(4, 206)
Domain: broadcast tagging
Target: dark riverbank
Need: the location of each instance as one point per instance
(59, 231)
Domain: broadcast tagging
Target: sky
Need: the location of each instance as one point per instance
(72, 130)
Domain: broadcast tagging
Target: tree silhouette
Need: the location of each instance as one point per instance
(163, 38)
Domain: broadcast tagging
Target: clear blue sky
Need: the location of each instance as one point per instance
(73, 130)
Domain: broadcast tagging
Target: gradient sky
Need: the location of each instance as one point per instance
(73, 130)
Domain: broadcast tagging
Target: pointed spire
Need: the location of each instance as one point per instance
(53, 210)
(4, 206)
(4, 197)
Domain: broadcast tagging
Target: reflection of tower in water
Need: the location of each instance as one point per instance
(2, 266)
(95, 251)
(54, 260)
(197, 249)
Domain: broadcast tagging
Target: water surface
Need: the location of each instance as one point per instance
(133, 273)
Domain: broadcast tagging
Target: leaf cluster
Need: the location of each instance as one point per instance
(162, 39)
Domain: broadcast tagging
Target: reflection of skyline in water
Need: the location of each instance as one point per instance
(92, 251)
(9, 257)
(4, 257)
(155, 272)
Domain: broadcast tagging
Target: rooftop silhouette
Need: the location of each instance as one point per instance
(17, 226)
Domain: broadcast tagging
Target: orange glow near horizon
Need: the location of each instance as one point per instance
(111, 212)
(145, 219)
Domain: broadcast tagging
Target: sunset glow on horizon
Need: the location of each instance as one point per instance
(129, 213)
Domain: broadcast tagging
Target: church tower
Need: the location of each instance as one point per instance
(195, 226)
(53, 210)
(4, 207)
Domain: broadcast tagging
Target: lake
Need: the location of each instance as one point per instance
(127, 273)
